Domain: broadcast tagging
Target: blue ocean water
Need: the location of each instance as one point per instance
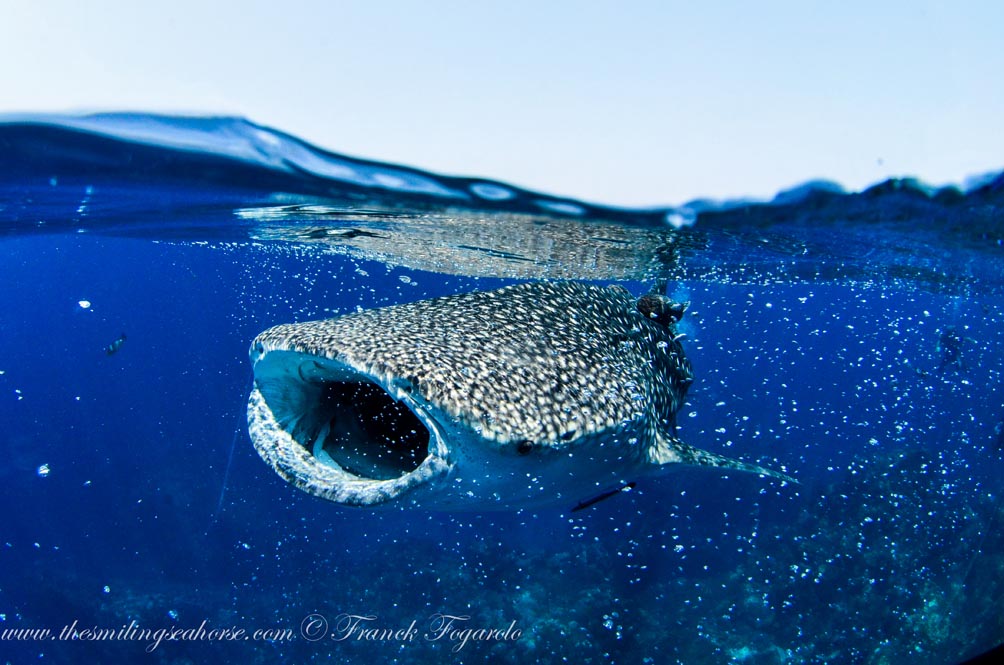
(821, 332)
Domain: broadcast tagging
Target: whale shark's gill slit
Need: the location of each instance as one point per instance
(341, 417)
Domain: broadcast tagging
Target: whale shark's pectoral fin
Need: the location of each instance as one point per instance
(670, 450)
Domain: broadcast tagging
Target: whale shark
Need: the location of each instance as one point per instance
(541, 393)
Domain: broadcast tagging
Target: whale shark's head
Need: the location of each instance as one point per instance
(532, 394)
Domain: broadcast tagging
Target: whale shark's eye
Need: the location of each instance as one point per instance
(524, 447)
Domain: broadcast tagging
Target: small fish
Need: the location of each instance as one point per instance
(116, 345)
(534, 394)
(626, 487)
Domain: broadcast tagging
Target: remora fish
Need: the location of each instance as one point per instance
(533, 394)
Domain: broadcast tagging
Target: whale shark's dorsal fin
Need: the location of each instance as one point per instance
(671, 450)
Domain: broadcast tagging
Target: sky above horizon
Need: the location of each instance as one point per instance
(630, 103)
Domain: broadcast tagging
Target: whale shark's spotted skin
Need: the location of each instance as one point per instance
(565, 384)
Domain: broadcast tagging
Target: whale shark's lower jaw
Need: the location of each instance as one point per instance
(338, 434)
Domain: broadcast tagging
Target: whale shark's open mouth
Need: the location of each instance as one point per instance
(367, 433)
(336, 432)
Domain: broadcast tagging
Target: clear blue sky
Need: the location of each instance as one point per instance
(619, 102)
